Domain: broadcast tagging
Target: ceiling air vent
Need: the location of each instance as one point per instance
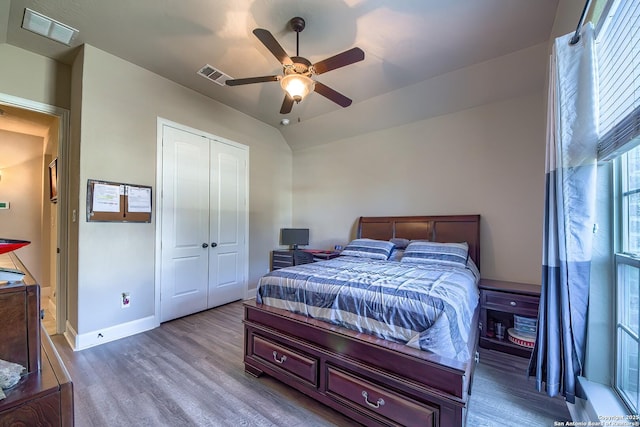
(213, 74)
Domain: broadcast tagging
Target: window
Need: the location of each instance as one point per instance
(628, 282)
(617, 51)
(618, 56)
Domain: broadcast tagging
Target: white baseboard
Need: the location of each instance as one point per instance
(600, 401)
(70, 335)
(90, 339)
(579, 411)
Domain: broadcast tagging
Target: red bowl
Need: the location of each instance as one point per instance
(8, 245)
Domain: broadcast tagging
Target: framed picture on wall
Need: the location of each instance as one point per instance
(53, 180)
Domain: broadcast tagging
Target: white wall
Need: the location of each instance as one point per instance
(120, 104)
(31, 76)
(36, 78)
(21, 163)
(509, 76)
(487, 160)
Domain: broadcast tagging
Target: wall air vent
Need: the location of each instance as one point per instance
(213, 74)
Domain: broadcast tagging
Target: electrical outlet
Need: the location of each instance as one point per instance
(125, 301)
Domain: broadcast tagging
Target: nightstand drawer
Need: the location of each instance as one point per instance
(512, 303)
(281, 259)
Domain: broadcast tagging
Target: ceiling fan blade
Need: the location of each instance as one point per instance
(272, 44)
(249, 80)
(287, 104)
(332, 95)
(340, 60)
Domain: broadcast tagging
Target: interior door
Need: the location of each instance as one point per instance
(227, 223)
(185, 223)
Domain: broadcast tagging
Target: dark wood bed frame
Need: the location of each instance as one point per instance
(373, 381)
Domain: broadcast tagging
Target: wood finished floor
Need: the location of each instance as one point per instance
(189, 372)
(49, 320)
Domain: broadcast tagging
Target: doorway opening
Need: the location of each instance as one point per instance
(33, 141)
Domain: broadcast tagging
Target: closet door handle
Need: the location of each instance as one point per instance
(214, 244)
(204, 245)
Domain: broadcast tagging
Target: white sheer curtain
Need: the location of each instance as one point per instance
(558, 356)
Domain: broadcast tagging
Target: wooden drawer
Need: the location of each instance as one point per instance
(378, 401)
(20, 326)
(43, 397)
(43, 411)
(281, 259)
(513, 303)
(278, 356)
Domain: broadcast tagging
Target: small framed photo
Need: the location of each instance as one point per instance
(53, 181)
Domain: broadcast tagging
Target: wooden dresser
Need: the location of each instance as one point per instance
(44, 396)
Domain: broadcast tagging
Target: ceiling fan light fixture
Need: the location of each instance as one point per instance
(297, 70)
(297, 86)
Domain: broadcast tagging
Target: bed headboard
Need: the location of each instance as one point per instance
(445, 229)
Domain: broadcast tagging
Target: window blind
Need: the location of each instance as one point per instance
(618, 53)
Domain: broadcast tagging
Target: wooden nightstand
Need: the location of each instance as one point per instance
(281, 259)
(287, 258)
(499, 301)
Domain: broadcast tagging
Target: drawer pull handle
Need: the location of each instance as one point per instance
(281, 360)
(513, 303)
(376, 405)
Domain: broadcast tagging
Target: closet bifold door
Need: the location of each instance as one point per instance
(185, 223)
(203, 223)
(227, 197)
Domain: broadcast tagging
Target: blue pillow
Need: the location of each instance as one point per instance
(368, 248)
(396, 254)
(454, 254)
(399, 242)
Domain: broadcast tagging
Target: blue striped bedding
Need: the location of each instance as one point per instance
(426, 306)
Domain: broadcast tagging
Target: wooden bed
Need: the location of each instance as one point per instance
(371, 380)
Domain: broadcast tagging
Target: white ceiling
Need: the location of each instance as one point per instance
(406, 42)
(17, 120)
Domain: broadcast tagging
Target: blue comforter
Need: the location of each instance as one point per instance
(426, 306)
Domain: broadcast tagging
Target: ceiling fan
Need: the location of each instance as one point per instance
(296, 81)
